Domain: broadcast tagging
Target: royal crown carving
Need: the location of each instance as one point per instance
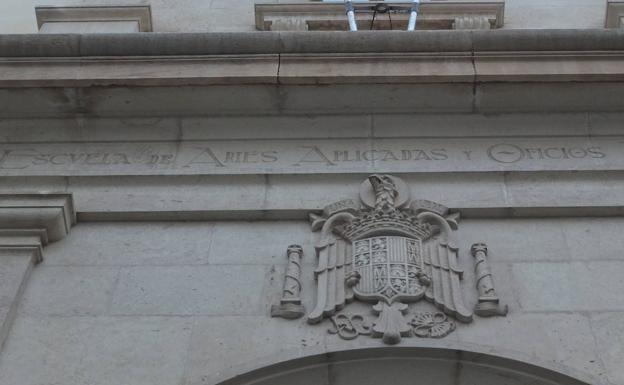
(388, 250)
(374, 222)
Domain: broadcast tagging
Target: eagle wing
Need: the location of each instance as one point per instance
(440, 263)
(334, 266)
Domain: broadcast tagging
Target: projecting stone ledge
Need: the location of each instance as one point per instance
(51, 216)
(302, 73)
(252, 43)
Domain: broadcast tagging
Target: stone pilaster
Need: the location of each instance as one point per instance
(28, 222)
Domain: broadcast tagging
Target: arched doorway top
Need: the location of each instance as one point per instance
(406, 365)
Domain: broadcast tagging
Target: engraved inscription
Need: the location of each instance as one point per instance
(511, 153)
(333, 156)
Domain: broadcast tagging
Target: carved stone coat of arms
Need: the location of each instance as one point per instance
(390, 251)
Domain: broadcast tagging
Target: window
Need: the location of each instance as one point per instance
(94, 19)
(330, 15)
(615, 14)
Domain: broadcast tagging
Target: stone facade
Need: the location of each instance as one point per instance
(174, 207)
(238, 15)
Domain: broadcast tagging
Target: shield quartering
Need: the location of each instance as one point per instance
(389, 269)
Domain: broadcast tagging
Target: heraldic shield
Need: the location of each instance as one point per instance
(390, 268)
(388, 250)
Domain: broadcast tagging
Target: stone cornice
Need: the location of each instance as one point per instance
(298, 58)
(277, 73)
(253, 43)
(302, 69)
(33, 220)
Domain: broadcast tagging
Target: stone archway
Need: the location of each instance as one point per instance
(403, 366)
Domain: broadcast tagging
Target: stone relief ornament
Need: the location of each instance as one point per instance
(432, 325)
(488, 304)
(349, 326)
(290, 305)
(390, 251)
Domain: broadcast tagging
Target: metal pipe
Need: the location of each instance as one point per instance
(411, 25)
(351, 15)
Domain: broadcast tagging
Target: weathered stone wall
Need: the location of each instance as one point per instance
(185, 209)
(238, 15)
(540, 178)
(170, 303)
(188, 302)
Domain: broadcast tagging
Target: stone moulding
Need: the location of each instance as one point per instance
(313, 69)
(280, 213)
(31, 221)
(489, 367)
(50, 215)
(331, 16)
(273, 72)
(244, 43)
(27, 223)
(615, 14)
(142, 15)
(301, 58)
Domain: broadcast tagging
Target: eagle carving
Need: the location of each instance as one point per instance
(389, 251)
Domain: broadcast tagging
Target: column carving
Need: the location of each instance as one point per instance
(28, 222)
